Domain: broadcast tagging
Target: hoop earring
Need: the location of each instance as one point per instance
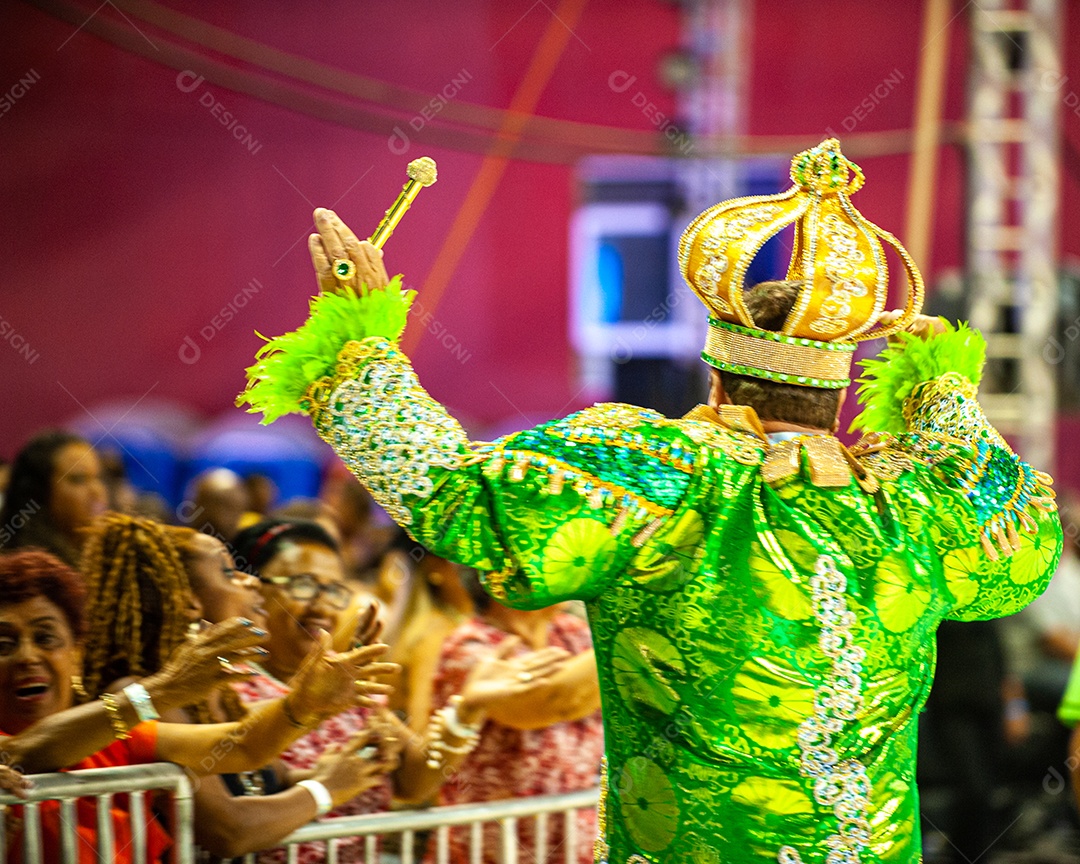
(77, 686)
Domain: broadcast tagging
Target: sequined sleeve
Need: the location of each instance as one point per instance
(993, 523)
(547, 514)
(993, 520)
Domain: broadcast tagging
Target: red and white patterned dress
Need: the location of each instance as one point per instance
(304, 753)
(514, 763)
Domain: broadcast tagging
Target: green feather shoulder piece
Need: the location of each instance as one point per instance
(889, 379)
(287, 364)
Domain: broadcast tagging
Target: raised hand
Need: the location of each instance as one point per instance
(329, 683)
(500, 675)
(924, 326)
(336, 242)
(368, 626)
(206, 661)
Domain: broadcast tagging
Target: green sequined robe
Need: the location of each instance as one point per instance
(763, 614)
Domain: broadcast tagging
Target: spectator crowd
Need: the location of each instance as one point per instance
(305, 659)
(352, 671)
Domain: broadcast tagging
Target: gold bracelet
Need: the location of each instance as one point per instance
(120, 728)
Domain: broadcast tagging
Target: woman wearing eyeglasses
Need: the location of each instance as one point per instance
(147, 584)
(304, 591)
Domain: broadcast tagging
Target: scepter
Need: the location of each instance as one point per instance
(421, 173)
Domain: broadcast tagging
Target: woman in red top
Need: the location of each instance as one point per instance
(41, 626)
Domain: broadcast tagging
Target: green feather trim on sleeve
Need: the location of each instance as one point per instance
(287, 364)
(890, 378)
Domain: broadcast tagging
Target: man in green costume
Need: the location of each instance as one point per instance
(763, 600)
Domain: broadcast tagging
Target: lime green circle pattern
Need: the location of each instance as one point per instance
(648, 803)
(576, 551)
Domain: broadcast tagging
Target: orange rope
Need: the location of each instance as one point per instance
(541, 67)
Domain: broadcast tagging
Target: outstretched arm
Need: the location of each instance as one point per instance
(550, 513)
(327, 684)
(196, 667)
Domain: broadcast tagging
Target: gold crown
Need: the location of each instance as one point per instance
(837, 255)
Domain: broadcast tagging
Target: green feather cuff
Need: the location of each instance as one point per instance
(287, 364)
(891, 377)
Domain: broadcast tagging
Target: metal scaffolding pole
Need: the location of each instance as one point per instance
(715, 35)
(1012, 213)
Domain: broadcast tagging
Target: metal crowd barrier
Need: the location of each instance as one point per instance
(102, 783)
(136, 780)
(440, 820)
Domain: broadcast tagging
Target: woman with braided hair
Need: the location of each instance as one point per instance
(144, 582)
(42, 635)
(140, 604)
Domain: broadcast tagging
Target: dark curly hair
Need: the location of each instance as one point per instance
(769, 304)
(31, 573)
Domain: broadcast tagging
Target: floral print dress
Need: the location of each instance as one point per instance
(514, 763)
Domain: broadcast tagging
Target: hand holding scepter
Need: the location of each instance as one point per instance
(342, 260)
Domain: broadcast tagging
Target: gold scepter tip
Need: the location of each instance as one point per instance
(421, 173)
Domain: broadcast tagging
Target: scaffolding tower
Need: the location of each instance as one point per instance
(1015, 90)
(715, 34)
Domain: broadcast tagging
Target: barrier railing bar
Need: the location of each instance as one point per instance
(476, 843)
(457, 814)
(126, 778)
(508, 827)
(570, 837)
(134, 780)
(442, 850)
(137, 810)
(32, 834)
(105, 844)
(69, 828)
(541, 837)
(184, 817)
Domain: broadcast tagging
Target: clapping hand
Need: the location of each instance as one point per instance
(329, 683)
(206, 661)
(368, 627)
(347, 770)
